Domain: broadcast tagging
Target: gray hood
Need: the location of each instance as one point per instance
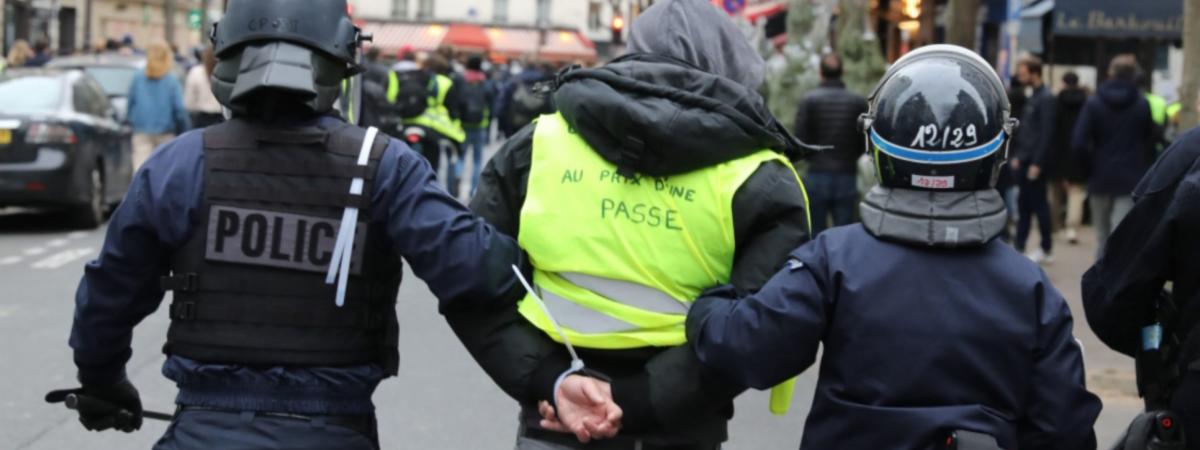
(696, 32)
(935, 219)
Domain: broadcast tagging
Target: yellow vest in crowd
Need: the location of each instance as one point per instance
(619, 260)
(436, 116)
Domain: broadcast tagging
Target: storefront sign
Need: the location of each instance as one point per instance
(1119, 18)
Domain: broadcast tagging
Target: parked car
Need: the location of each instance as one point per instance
(61, 145)
(113, 71)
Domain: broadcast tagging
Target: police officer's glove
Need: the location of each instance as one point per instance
(103, 407)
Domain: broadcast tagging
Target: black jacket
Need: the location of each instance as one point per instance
(1064, 163)
(1157, 242)
(1115, 135)
(828, 115)
(1035, 136)
(685, 119)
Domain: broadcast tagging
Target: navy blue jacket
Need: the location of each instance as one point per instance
(1157, 242)
(917, 342)
(1115, 135)
(1035, 136)
(460, 257)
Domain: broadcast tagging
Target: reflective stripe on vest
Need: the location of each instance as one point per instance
(629, 255)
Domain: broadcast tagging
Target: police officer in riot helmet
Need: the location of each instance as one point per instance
(933, 331)
(280, 233)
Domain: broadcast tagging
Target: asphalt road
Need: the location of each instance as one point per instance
(441, 400)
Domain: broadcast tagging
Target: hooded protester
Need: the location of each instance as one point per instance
(932, 330)
(661, 149)
(1116, 135)
(1069, 171)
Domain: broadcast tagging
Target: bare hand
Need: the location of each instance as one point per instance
(585, 409)
(1015, 164)
(1034, 172)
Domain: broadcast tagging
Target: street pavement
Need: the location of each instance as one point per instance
(440, 400)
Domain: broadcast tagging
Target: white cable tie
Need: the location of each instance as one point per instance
(567, 342)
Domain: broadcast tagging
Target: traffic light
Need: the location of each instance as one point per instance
(618, 27)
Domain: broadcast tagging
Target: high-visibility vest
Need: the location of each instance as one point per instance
(1158, 108)
(618, 260)
(1173, 110)
(436, 115)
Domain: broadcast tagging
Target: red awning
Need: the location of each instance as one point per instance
(513, 42)
(567, 46)
(391, 37)
(759, 11)
(469, 37)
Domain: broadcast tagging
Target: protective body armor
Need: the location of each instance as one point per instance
(250, 283)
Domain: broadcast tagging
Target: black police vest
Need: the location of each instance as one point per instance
(249, 286)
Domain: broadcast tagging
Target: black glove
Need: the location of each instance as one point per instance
(102, 407)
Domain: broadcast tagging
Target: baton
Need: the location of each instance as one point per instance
(74, 401)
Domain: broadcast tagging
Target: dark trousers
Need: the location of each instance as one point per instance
(1032, 200)
(1186, 403)
(211, 429)
(831, 193)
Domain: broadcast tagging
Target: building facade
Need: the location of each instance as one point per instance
(592, 18)
(74, 25)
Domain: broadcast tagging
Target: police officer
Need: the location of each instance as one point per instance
(662, 174)
(1156, 243)
(928, 324)
(280, 233)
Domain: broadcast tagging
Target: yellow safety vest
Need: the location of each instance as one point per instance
(436, 116)
(619, 260)
(1173, 111)
(1158, 108)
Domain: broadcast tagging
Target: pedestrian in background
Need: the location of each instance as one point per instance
(476, 95)
(1115, 135)
(828, 115)
(198, 99)
(1070, 171)
(1033, 141)
(156, 110)
(19, 53)
(41, 55)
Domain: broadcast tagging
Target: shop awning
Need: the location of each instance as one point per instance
(1161, 19)
(391, 37)
(759, 11)
(468, 37)
(512, 42)
(567, 46)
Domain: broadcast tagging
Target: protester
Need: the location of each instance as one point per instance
(156, 110)
(41, 55)
(828, 115)
(476, 95)
(1069, 170)
(198, 98)
(518, 104)
(929, 328)
(1032, 149)
(19, 54)
(1115, 135)
(622, 236)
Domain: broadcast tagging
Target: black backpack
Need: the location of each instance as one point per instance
(415, 89)
(475, 103)
(526, 105)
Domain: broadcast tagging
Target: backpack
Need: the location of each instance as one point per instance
(475, 103)
(413, 94)
(526, 105)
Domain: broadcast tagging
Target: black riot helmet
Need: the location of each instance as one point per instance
(290, 53)
(939, 120)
